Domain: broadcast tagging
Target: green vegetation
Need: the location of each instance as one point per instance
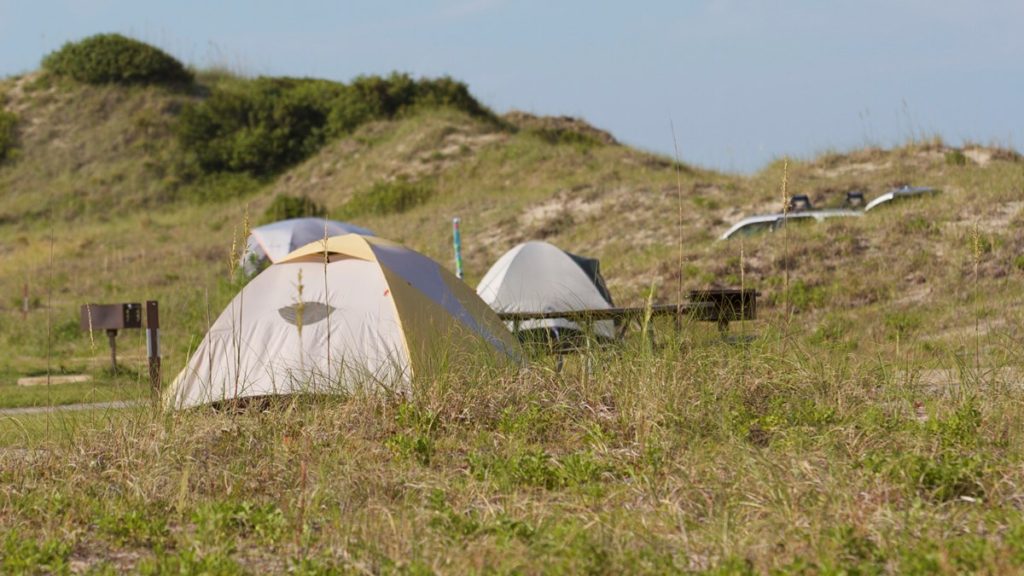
(258, 126)
(374, 97)
(115, 59)
(105, 388)
(8, 135)
(285, 207)
(564, 130)
(956, 158)
(562, 136)
(385, 198)
(868, 422)
(265, 125)
(24, 556)
(806, 452)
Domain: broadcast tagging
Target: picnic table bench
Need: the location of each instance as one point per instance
(721, 306)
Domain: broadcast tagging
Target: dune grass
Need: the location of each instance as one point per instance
(873, 425)
(14, 396)
(694, 456)
(27, 430)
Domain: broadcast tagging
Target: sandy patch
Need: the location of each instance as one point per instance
(856, 168)
(43, 380)
(939, 380)
(557, 207)
(979, 156)
(996, 219)
(454, 148)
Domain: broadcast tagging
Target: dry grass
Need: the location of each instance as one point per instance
(698, 456)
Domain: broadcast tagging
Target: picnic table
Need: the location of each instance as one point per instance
(721, 306)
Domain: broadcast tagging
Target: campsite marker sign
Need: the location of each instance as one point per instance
(114, 317)
(111, 317)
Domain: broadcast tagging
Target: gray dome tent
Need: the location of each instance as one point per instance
(540, 277)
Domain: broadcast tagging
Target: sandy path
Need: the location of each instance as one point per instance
(68, 408)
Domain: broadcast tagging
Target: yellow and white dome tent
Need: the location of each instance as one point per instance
(375, 315)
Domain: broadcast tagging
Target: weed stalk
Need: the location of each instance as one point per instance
(976, 253)
(679, 202)
(49, 328)
(327, 305)
(785, 247)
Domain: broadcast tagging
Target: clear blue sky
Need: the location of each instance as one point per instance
(743, 81)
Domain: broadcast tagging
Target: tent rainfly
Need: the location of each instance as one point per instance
(374, 315)
(270, 243)
(540, 277)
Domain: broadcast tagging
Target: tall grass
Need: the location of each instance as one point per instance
(647, 464)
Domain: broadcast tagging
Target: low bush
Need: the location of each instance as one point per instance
(805, 296)
(188, 561)
(565, 137)
(942, 476)
(285, 207)
(956, 158)
(832, 330)
(537, 468)
(217, 187)
(225, 520)
(416, 440)
(140, 526)
(27, 556)
(374, 97)
(959, 429)
(901, 324)
(387, 198)
(113, 58)
(946, 476)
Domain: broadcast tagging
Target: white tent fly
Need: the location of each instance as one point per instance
(540, 277)
(372, 317)
(270, 243)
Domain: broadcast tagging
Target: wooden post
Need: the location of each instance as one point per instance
(112, 337)
(24, 302)
(153, 345)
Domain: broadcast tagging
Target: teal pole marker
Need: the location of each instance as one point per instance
(457, 241)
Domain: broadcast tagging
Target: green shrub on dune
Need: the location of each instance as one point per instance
(262, 126)
(376, 97)
(285, 207)
(116, 59)
(259, 127)
(385, 198)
